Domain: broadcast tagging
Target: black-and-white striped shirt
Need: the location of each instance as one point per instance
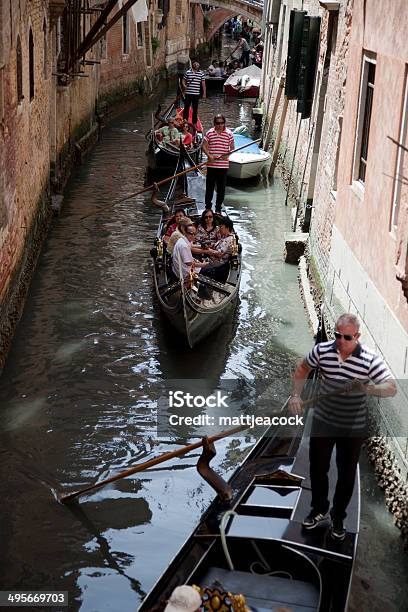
(347, 411)
(193, 82)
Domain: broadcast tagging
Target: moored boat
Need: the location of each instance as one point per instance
(254, 545)
(244, 83)
(194, 317)
(249, 162)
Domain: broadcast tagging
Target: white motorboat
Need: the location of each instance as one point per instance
(249, 162)
(244, 82)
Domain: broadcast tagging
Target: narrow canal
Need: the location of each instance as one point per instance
(78, 394)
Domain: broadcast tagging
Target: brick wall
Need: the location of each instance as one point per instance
(38, 137)
(314, 165)
(197, 32)
(24, 158)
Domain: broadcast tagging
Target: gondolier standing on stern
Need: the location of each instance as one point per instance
(193, 81)
(218, 141)
(339, 420)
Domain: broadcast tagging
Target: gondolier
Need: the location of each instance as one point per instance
(341, 420)
(218, 141)
(193, 81)
(244, 49)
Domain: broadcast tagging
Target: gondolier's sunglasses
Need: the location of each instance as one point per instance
(193, 232)
(219, 122)
(347, 337)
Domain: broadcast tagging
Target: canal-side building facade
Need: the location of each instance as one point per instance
(52, 102)
(347, 174)
(150, 42)
(25, 83)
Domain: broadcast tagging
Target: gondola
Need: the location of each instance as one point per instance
(215, 83)
(194, 317)
(254, 545)
(161, 155)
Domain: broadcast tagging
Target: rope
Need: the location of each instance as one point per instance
(225, 518)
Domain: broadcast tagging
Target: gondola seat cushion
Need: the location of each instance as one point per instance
(265, 593)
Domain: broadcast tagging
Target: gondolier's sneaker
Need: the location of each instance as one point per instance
(313, 519)
(337, 530)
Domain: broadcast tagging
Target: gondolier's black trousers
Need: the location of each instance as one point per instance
(245, 59)
(215, 177)
(190, 100)
(322, 441)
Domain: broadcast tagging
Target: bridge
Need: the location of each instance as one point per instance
(225, 9)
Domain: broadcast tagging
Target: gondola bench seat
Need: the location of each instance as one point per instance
(265, 593)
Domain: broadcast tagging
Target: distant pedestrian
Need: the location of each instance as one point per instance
(339, 421)
(218, 141)
(194, 82)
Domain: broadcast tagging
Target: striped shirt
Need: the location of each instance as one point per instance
(193, 81)
(346, 411)
(219, 144)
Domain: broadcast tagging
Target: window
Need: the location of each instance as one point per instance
(102, 47)
(399, 166)
(19, 58)
(3, 209)
(125, 34)
(139, 34)
(45, 49)
(336, 167)
(1, 97)
(364, 119)
(282, 25)
(59, 36)
(31, 63)
(148, 47)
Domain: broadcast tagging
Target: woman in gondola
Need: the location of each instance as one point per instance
(207, 232)
(173, 223)
(218, 266)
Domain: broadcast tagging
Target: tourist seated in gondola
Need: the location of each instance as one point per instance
(183, 250)
(207, 231)
(182, 261)
(198, 127)
(186, 136)
(168, 134)
(173, 223)
(218, 266)
(211, 68)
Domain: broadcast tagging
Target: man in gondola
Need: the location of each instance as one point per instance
(218, 142)
(339, 420)
(194, 83)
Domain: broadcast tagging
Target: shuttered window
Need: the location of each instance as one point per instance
(364, 119)
(19, 59)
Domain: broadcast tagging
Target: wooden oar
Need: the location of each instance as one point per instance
(169, 178)
(184, 450)
(150, 463)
